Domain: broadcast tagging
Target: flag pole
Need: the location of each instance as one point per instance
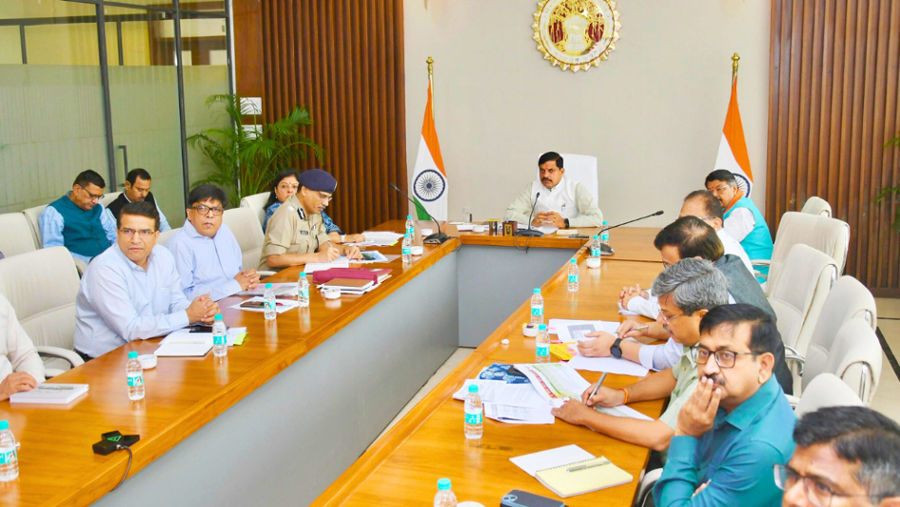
(734, 65)
(430, 62)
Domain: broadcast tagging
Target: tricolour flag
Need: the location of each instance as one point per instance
(429, 183)
(733, 148)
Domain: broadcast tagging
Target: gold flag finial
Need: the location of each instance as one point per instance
(430, 62)
(734, 64)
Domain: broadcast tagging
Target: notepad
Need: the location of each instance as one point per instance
(184, 344)
(583, 477)
(51, 394)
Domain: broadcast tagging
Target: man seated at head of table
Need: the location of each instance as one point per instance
(844, 456)
(688, 290)
(296, 233)
(137, 189)
(743, 220)
(207, 255)
(78, 221)
(21, 368)
(736, 425)
(132, 290)
(563, 202)
(285, 185)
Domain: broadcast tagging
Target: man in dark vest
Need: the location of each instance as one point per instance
(78, 221)
(137, 189)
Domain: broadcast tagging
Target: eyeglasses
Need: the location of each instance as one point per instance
(143, 233)
(325, 197)
(207, 210)
(724, 358)
(94, 197)
(720, 188)
(818, 493)
(668, 320)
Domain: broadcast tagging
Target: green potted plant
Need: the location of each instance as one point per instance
(886, 192)
(246, 160)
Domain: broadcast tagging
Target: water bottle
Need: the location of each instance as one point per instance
(542, 344)
(410, 226)
(573, 275)
(444, 496)
(9, 458)
(302, 290)
(269, 302)
(220, 337)
(596, 257)
(406, 250)
(604, 236)
(537, 307)
(474, 413)
(134, 372)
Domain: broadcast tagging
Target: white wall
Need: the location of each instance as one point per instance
(652, 113)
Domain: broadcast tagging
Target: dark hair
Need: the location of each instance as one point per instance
(136, 173)
(711, 205)
(143, 209)
(693, 237)
(282, 175)
(207, 191)
(721, 175)
(551, 156)
(89, 176)
(764, 335)
(858, 435)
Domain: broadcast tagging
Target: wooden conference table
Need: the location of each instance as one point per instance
(287, 412)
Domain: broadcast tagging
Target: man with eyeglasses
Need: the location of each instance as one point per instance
(132, 290)
(743, 220)
(207, 255)
(845, 456)
(296, 233)
(737, 423)
(137, 188)
(78, 221)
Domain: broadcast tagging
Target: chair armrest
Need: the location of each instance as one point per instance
(792, 400)
(791, 356)
(81, 266)
(69, 355)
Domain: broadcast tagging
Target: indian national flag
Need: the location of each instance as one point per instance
(429, 183)
(732, 148)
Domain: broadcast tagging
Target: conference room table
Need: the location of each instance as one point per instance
(287, 412)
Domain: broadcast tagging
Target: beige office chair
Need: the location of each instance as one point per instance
(16, 235)
(42, 286)
(108, 198)
(33, 214)
(828, 235)
(165, 235)
(798, 294)
(583, 169)
(256, 203)
(855, 356)
(245, 227)
(816, 206)
(826, 390)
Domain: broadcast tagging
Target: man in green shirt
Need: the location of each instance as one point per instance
(688, 290)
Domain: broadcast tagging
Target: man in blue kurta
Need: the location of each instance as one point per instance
(78, 221)
(743, 220)
(737, 424)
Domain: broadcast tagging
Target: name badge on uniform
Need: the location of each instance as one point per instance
(304, 233)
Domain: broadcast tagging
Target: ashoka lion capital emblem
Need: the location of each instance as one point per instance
(576, 34)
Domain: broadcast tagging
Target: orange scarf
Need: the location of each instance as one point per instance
(737, 197)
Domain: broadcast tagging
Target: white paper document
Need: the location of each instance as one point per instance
(622, 411)
(574, 330)
(518, 415)
(255, 304)
(183, 343)
(378, 238)
(609, 365)
(498, 391)
(546, 229)
(340, 262)
(280, 288)
(51, 394)
(554, 381)
(551, 458)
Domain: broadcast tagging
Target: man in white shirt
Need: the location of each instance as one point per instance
(132, 290)
(207, 255)
(21, 369)
(557, 201)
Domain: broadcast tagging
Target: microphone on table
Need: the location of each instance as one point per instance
(529, 231)
(606, 248)
(432, 239)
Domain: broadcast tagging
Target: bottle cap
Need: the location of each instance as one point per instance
(473, 388)
(132, 354)
(218, 316)
(4, 425)
(268, 285)
(596, 236)
(409, 217)
(537, 291)
(572, 260)
(303, 273)
(605, 222)
(542, 327)
(443, 484)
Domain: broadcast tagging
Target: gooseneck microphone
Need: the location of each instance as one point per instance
(432, 239)
(529, 231)
(606, 249)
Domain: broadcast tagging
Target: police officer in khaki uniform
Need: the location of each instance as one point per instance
(296, 233)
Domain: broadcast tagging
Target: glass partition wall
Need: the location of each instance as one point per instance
(109, 86)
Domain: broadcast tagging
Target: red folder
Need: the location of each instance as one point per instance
(375, 275)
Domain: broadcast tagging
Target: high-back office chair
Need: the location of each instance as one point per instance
(256, 203)
(815, 205)
(16, 235)
(108, 198)
(42, 286)
(855, 357)
(165, 235)
(828, 235)
(826, 390)
(33, 214)
(246, 228)
(583, 169)
(799, 293)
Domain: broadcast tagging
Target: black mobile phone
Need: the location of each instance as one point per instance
(253, 304)
(519, 498)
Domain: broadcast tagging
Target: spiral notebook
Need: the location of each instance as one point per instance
(570, 470)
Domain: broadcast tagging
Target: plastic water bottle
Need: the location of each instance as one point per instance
(410, 226)
(303, 290)
(220, 337)
(542, 344)
(444, 496)
(9, 457)
(474, 414)
(573, 275)
(269, 302)
(406, 249)
(134, 372)
(537, 307)
(604, 236)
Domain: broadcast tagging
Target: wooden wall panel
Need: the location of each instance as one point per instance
(833, 97)
(343, 60)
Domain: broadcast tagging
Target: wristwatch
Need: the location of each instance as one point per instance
(567, 223)
(615, 350)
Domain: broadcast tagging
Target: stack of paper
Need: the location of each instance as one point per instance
(378, 238)
(509, 403)
(51, 394)
(258, 304)
(183, 343)
(571, 331)
(554, 381)
(340, 262)
(280, 288)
